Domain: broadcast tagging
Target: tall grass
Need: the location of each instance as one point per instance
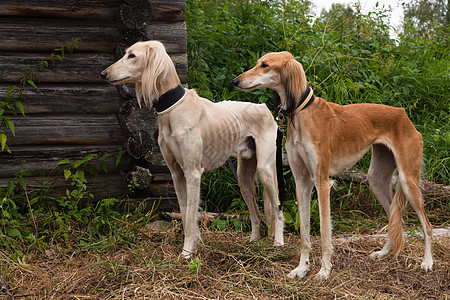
(348, 58)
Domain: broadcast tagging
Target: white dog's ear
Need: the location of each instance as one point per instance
(155, 68)
(294, 82)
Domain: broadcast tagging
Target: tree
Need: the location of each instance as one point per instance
(428, 18)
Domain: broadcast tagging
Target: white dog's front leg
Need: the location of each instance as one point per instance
(191, 230)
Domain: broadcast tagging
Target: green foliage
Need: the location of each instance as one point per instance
(348, 57)
(35, 220)
(194, 266)
(427, 18)
(10, 103)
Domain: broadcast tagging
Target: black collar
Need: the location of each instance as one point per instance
(170, 99)
(303, 99)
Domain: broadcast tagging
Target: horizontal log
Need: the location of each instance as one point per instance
(66, 129)
(44, 35)
(168, 11)
(209, 216)
(105, 186)
(43, 160)
(76, 68)
(69, 99)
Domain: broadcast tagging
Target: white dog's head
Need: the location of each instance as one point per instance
(146, 64)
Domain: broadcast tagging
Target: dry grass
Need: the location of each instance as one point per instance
(229, 268)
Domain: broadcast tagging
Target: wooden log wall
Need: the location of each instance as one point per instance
(73, 112)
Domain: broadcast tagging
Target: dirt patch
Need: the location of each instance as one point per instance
(227, 268)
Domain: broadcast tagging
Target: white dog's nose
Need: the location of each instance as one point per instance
(104, 74)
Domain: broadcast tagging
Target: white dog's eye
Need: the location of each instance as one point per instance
(131, 55)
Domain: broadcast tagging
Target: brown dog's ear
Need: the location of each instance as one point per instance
(294, 82)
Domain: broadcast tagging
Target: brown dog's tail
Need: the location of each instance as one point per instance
(395, 227)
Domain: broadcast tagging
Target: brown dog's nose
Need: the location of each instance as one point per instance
(104, 74)
(235, 81)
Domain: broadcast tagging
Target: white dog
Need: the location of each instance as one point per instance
(197, 135)
(324, 139)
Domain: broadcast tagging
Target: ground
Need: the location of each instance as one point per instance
(228, 267)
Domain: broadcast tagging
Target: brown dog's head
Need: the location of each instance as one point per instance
(278, 71)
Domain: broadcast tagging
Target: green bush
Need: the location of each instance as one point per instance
(348, 57)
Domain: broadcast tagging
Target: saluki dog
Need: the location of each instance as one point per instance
(325, 139)
(197, 135)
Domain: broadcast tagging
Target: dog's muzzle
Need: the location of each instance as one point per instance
(104, 74)
(235, 82)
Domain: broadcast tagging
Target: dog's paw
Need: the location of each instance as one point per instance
(323, 274)
(186, 254)
(278, 243)
(378, 254)
(427, 265)
(298, 272)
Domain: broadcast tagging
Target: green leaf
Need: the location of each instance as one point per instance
(92, 170)
(104, 167)
(220, 224)
(20, 107)
(12, 232)
(3, 139)
(119, 157)
(78, 163)
(31, 82)
(63, 162)
(10, 125)
(67, 173)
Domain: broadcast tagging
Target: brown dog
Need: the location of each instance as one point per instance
(325, 139)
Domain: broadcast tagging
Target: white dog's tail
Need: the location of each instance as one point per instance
(395, 228)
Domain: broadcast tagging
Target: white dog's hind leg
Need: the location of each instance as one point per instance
(383, 252)
(246, 171)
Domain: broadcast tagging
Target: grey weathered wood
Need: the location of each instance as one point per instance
(44, 35)
(76, 68)
(42, 160)
(167, 11)
(105, 186)
(69, 98)
(72, 113)
(66, 129)
(135, 14)
(133, 118)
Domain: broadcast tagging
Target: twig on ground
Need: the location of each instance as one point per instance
(132, 226)
(36, 233)
(5, 288)
(208, 216)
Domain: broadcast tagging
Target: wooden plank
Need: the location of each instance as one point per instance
(34, 35)
(66, 129)
(70, 99)
(168, 11)
(76, 68)
(105, 186)
(42, 160)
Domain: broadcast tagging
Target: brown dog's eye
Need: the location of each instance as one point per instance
(131, 55)
(264, 65)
